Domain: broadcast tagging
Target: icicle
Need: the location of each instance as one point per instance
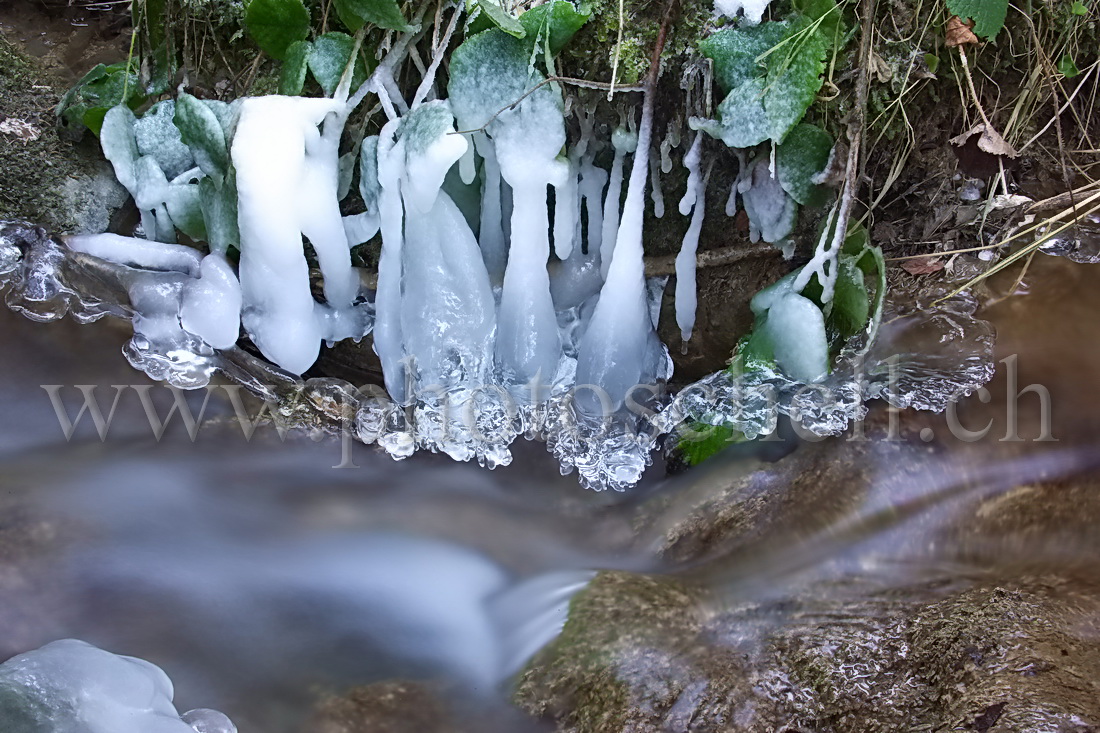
(616, 351)
(624, 142)
(731, 201)
(286, 182)
(593, 181)
(672, 140)
(686, 297)
(494, 246)
(565, 213)
(467, 166)
(388, 340)
(658, 194)
(136, 252)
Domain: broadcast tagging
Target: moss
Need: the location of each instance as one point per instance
(36, 171)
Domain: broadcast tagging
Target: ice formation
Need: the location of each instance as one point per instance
(70, 686)
(482, 332)
(753, 9)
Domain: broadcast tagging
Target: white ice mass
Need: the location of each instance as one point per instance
(70, 686)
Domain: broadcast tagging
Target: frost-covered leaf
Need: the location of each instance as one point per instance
(772, 213)
(369, 187)
(560, 17)
(382, 13)
(219, 211)
(202, 132)
(157, 135)
(742, 121)
(804, 154)
(735, 52)
(988, 15)
(151, 187)
(185, 207)
(330, 57)
(292, 77)
(120, 145)
(276, 24)
(793, 78)
(488, 72)
(501, 18)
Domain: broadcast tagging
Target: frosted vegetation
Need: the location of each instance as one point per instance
(69, 686)
(510, 296)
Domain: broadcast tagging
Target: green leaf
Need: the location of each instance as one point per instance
(850, 310)
(560, 18)
(276, 24)
(832, 26)
(382, 13)
(700, 441)
(98, 91)
(735, 51)
(1067, 68)
(203, 134)
(501, 18)
(803, 155)
(793, 78)
(219, 212)
(1078, 8)
(185, 207)
(292, 77)
(932, 61)
(330, 57)
(988, 15)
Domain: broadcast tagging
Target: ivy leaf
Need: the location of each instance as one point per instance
(292, 77)
(98, 91)
(276, 24)
(701, 441)
(793, 78)
(560, 18)
(1078, 8)
(329, 58)
(382, 13)
(202, 132)
(501, 18)
(988, 15)
(803, 155)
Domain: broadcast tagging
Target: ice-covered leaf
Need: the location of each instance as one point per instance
(560, 18)
(330, 57)
(803, 154)
(151, 187)
(796, 328)
(185, 207)
(382, 13)
(735, 52)
(119, 145)
(219, 211)
(501, 18)
(701, 441)
(202, 132)
(276, 24)
(793, 78)
(369, 187)
(742, 121)
(157, 135)
(988, 15)
(292, 77)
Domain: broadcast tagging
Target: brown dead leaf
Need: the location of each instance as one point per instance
(958, 32)
(922, 265)
(882, 70)
(982, 151)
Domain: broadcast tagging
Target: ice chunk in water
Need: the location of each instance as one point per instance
(70, 686)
